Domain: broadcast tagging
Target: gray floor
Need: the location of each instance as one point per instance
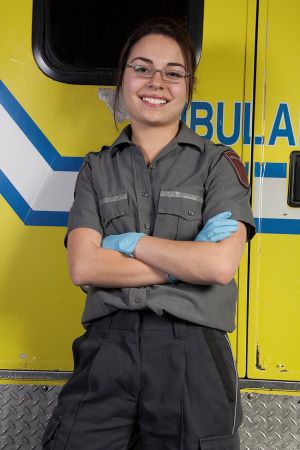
(271, 422)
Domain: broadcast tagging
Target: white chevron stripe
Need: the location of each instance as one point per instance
(41, 187)
(48, 190)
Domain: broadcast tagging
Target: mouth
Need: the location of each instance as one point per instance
(154, 101)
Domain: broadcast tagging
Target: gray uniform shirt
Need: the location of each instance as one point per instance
(188, 182)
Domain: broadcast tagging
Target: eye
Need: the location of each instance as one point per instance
(174, 75)
(142, 69)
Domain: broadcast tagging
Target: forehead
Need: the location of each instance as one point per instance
(158, 48)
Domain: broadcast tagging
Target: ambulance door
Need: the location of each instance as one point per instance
(222, 107)
(274, 307)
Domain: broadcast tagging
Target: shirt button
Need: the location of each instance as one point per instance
(138, 300)
(190, 213)
(147, 226)
(145, 194)
(152, 166)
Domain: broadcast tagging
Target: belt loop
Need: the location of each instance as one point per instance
(180, 329)
(105, 325)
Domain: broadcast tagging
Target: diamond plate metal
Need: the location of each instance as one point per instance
(24, 412)
(271, 422)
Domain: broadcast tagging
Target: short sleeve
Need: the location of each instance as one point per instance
(227, 189)
(85, 209)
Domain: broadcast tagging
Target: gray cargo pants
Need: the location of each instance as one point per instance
(143, 381)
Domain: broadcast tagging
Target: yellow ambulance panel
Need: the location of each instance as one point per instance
(273, 326)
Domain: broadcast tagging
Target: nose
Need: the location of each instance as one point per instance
(157, 79)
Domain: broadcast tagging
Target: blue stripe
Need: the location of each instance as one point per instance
(270, 170)
(73, 164)
(24, 211)
(277, 226)
(36, 136)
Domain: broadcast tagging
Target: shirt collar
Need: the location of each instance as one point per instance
(185, 136)
(189, 137)
(122, 140)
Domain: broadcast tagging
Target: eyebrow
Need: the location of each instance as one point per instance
(149, 61)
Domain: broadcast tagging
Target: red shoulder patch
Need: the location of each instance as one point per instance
(238, 167)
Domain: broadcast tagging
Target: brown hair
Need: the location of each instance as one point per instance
(165, 27)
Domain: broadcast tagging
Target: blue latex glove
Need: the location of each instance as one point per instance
(216, 229)
(124, 243)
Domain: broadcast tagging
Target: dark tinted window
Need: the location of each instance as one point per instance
(79, 41)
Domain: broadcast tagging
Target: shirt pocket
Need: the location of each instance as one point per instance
(179, 215)
(113, 212)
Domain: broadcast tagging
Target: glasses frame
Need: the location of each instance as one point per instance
(153, 72)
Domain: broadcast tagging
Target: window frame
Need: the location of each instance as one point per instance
(51, 66)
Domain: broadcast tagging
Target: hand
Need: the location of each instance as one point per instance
(216, 229)
(124, 243)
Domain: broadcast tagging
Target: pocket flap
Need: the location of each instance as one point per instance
(188, 206)
(113, 206)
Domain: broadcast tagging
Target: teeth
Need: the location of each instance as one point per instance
(154, 101)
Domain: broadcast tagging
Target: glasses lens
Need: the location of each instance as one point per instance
(173, 76)
(142, 71)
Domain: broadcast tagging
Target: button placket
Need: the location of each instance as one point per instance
(143, 190)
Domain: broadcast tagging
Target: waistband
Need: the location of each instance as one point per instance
(142, 320)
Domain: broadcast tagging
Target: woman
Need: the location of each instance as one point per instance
(150, 232)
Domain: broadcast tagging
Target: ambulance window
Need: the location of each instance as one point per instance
(79, 41)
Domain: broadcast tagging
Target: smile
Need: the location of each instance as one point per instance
(154, 101)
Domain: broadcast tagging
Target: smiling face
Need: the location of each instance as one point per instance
(152, 101)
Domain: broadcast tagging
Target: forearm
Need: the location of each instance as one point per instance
(194, 262)
(180, 258)
(110, 269)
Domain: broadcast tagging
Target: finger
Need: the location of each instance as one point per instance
(219, 237)
(108, 241)
(221, 223)
(222, 215)
(224, 229)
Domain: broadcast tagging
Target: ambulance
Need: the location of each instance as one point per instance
(57, 66)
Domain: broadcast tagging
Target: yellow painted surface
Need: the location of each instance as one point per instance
(274, 308)
(45, 383)
(225, 73)
(272, 392)
(40, 308)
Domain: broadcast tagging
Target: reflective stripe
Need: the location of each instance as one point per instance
(114, 198)
(181, 195)
(236, 382)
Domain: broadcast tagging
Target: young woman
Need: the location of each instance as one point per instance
(157, 230)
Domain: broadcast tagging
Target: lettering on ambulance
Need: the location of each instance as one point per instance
(286, 131)
(202, 115)
(229, 140)
(205, 120)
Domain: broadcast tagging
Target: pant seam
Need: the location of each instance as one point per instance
(236, 385)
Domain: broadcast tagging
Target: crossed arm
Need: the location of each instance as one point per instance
(189, 261)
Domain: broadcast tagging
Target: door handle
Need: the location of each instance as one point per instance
(294, 180)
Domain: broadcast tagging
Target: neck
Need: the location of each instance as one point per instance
(151, 139)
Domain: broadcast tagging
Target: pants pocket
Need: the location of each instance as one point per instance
(228, 442)
(218, 347)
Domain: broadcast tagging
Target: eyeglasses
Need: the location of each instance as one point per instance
(168, 75)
